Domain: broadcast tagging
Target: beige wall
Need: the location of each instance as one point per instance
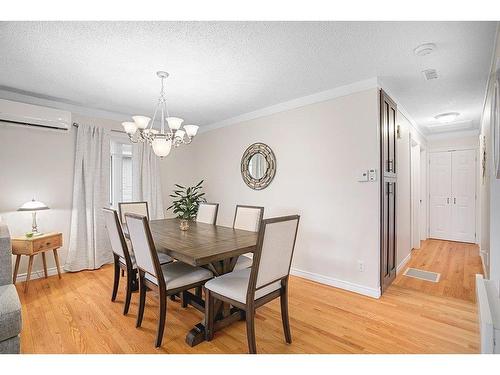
(320, 149)
(38, 162)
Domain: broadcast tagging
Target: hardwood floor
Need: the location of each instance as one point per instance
(457, 262)
(76, 315)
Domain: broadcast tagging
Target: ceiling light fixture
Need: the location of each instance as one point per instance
(447, 117)
(424, 49)
(141, 129)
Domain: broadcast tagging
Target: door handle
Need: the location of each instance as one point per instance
(455, 200)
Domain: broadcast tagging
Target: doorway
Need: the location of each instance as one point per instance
(415, 187)
(452, 195)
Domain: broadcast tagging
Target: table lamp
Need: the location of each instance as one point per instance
(33, 206)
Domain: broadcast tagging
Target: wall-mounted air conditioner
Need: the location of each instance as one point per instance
(28, 114)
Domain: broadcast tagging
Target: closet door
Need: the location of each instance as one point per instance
(440, 193)
(463, 206)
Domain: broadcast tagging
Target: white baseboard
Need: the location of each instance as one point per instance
(327, 280)
(403, 263)
(38, 274)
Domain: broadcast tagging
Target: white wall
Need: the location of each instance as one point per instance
(453, 142)
(37, 162)
(320, 149)
(490, 189)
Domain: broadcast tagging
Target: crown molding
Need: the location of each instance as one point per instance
(73, 108)
(295, 103)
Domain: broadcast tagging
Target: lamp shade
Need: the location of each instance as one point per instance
(180, 134)
(33, 205)
(161, 146)
(129, 127)
(142, 122)
(174, 122)
(191, 130)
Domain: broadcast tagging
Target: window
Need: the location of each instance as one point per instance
(121, 173)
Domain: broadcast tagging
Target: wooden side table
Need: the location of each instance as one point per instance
(33, 246)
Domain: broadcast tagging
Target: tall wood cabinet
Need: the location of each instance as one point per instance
(388, 180)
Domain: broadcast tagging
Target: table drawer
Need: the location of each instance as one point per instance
(47, 243)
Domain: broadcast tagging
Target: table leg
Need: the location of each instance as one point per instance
(28, 275)
(16, 268)
(56, 258)
(44, 265)
(224, 314)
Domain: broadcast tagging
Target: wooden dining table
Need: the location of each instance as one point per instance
(212, 246)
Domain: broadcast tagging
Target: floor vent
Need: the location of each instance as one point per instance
(422, 275)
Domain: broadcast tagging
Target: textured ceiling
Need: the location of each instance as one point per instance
(221, 70)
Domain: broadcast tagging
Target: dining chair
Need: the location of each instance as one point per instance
(139, 208)
(123, 258)
(167, 279)
(207, 213)
(247, 218)
(266, 280)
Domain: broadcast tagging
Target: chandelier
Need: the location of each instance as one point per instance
(141, 129)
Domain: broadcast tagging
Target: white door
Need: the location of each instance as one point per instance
(440, 195)
(415, 197)
(463, 207)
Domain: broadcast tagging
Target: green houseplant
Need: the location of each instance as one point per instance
(186, 202)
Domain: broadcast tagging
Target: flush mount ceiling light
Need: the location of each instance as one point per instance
(447, 117)
(424, 49)
(141, 129)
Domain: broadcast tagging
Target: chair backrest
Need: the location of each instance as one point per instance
(139, 208)
(248, 217)
(143, 244)
(116, 237)
(273, 255)
(207, 213)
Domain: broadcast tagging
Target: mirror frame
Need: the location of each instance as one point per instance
(267, 153)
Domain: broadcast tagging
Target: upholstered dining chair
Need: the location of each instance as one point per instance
(139, 208)
(247, 218)
(253, 287)
(207, 213)
(167, 279)
(123, 259)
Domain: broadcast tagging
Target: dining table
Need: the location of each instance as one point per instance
(204, 245)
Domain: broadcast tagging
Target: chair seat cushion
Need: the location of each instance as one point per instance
(243, 262)
(10, 312)
(179, 274)
(234, 285)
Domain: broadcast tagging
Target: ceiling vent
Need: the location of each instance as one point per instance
(430, 74)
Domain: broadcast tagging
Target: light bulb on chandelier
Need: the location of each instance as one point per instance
(141, 129)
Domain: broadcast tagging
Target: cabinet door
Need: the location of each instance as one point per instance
(440, 195)
(463, 206)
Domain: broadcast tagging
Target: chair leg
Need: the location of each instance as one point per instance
(209, 315)
(116, 280)
(284, 313)
(130, 280)
(162, 318)
(250, 319)
(142, 301)
(123, 273)
(199, 292)
(184, 299)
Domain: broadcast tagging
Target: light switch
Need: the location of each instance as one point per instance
(372, 175)
(363, 176)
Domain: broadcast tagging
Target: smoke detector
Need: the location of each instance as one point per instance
(424, 49)
(445, 118)
(430, 74)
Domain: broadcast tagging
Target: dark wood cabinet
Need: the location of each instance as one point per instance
(388, 180)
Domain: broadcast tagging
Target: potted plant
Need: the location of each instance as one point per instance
(186, 202)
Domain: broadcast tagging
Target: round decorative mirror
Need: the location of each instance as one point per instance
(258, 166)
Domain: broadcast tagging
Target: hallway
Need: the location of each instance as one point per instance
(457, 262)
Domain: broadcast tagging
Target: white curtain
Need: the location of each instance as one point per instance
(89, 246)
(146, 179)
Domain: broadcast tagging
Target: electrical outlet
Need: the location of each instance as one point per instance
(361, 266)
